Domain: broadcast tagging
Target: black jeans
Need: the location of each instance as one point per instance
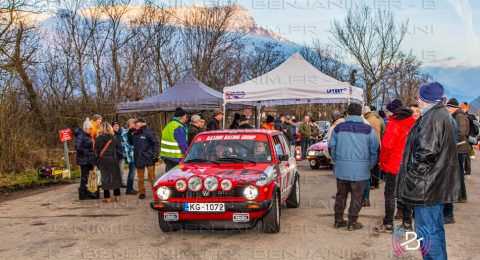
(468, 165)
(389, 193)
(375, 173)
(461, 160)
(85, 170)
(356, 189)
(106, 193)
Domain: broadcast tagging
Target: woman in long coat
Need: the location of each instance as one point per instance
(107, 162)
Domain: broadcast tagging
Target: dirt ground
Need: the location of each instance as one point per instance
(54, 225)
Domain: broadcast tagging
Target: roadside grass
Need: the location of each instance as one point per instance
(30, 179)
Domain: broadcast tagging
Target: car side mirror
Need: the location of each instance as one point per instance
(283, 157)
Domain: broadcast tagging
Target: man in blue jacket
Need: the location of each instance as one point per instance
(145, 153)
(354, 148)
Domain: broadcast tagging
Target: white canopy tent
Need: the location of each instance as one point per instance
(295, 81)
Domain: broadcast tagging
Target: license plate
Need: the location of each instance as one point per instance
(204, 207)
(312, 153)
(170, 216)
(241, 217)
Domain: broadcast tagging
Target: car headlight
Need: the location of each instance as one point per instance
(250, 192)
(195, 183)
(226, 185)
(181, 185)
(163, 193)
(210, 183)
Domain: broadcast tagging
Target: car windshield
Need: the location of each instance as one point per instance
(229, 148)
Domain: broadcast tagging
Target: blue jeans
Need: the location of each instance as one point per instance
(304, 143)
(366, 192)
(131, 177)
(429, 223)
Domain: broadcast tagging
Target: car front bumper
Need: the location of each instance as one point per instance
(229, 206)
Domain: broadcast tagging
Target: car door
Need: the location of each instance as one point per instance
(282, 165)
(291, 164)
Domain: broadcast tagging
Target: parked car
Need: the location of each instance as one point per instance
(229, 179)
(317, 155)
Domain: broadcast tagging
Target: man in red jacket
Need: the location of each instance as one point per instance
(391, 153)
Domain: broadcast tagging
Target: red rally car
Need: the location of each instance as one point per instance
(229, 179)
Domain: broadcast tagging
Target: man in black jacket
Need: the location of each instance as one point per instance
(214, 122)
(428, 176)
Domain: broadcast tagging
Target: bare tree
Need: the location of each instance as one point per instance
(373, 39)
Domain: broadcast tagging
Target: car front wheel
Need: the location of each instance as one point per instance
(271, 221)
(293, 200)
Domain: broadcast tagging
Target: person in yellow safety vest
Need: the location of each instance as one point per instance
(174, 141)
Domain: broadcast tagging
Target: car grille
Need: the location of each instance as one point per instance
(235, 192)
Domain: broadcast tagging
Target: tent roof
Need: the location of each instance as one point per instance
(189, 93)
(295, 81)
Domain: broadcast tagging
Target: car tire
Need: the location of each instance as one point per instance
(293, 200)
(271, 221)
(314, 165)
(167, 226)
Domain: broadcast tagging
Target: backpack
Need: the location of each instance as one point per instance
(474, 129)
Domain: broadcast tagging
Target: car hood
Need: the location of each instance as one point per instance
(323, 145)
(238, 173)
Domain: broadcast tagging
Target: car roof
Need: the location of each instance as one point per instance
(241, 131)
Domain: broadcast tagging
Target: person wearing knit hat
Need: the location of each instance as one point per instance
(174, 141)
(96, 122)
(428, 176)
(85, 156)
(463, 145)
(269, 125)
(393, 106)
(87, 125)
(473, 134)
(214, 122)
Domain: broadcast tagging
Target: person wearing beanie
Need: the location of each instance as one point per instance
(268, 124)
(391, 152)
(429, 177)
(85, 156)
(145, 153)
(214, 122)
(305, 133)
(463, 145)
(174, 141)
(96, 122)
(354, 150)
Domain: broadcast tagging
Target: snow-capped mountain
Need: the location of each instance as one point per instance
(241, 20)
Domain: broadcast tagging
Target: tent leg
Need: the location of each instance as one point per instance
(259, 117)
(224, 115)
